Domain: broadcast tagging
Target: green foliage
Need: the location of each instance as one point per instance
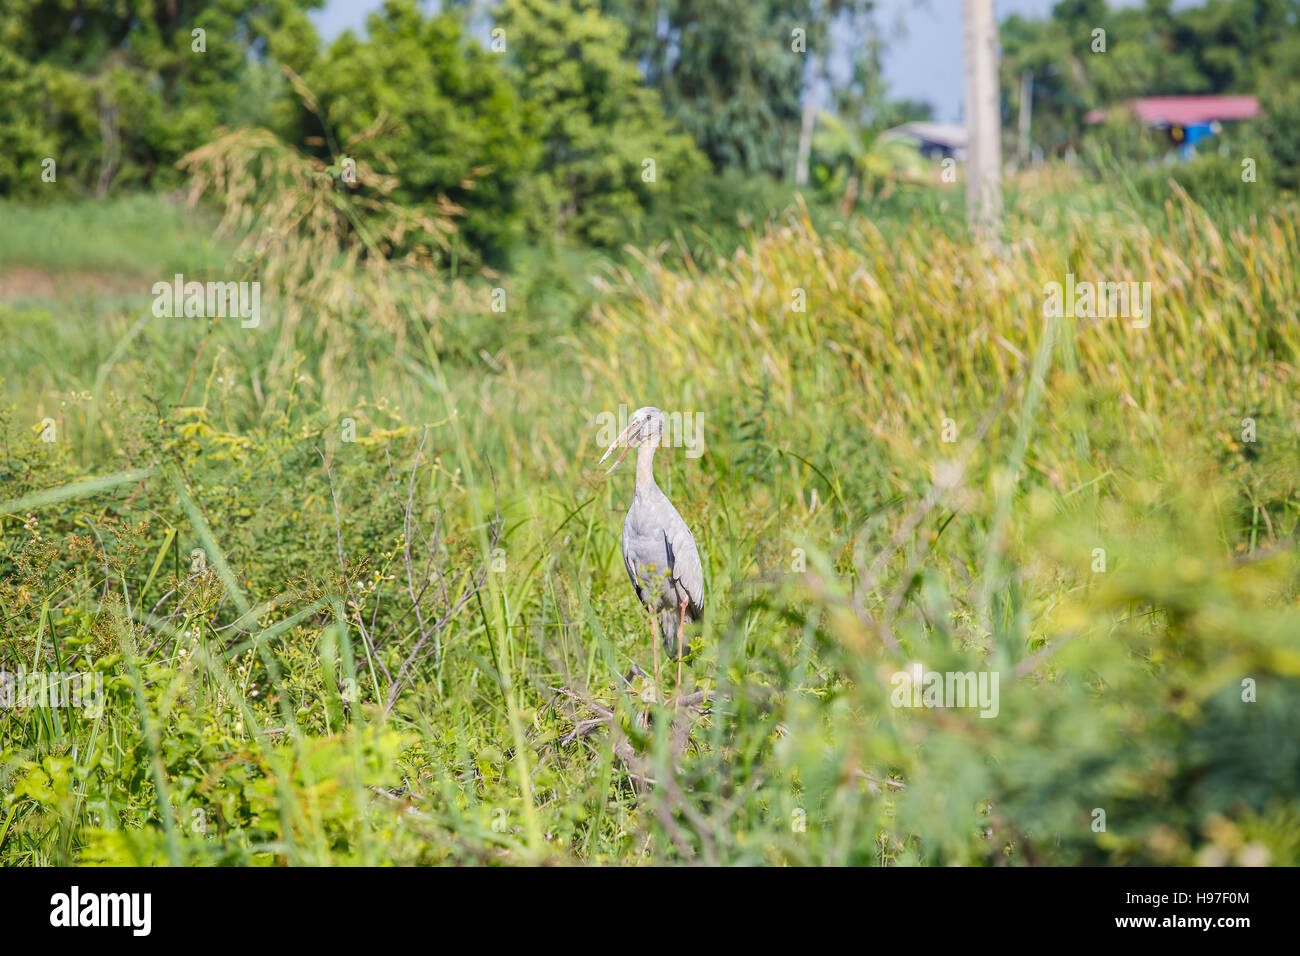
(1280, 132)
(606, 147)
(442, 115)
(729, 74)
(711, 215)
(731, 79)
(854, 162)
(118, 99)
(85, 235)
(545, 135)
(1152, 49)
(1211, 177)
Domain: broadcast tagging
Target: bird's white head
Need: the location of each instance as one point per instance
(645, 425)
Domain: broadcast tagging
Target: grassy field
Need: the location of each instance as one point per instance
(353, 585)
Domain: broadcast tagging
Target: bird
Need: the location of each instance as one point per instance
(659, 549)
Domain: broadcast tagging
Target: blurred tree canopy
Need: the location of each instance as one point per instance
(606, 145)
(115, 91)
(734, 72)
(546, 132)
(1155, 49)
(586, 121)
(442, 114)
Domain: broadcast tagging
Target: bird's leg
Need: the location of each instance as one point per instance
(654, 633)
(681, 626)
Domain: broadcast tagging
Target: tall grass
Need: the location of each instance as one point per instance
(260, 708)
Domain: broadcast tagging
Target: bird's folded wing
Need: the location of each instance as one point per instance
(688, 571)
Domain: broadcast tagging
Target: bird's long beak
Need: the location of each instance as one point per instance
(623, 439)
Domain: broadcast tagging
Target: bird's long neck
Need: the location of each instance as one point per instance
(645, 472)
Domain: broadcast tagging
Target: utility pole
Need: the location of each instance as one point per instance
(809, 121)
(983, 122)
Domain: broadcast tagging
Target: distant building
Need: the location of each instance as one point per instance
(934, 140)
(1187, 119)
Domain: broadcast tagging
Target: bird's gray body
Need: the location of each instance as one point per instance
(662, 561)
(659, 550)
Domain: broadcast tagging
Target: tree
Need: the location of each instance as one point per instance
(606, 147)
(446, 119)
(862, 162)
(734, 73)
(1229, 46)
(115, 91)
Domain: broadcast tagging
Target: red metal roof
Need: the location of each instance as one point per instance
(1187, 110)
